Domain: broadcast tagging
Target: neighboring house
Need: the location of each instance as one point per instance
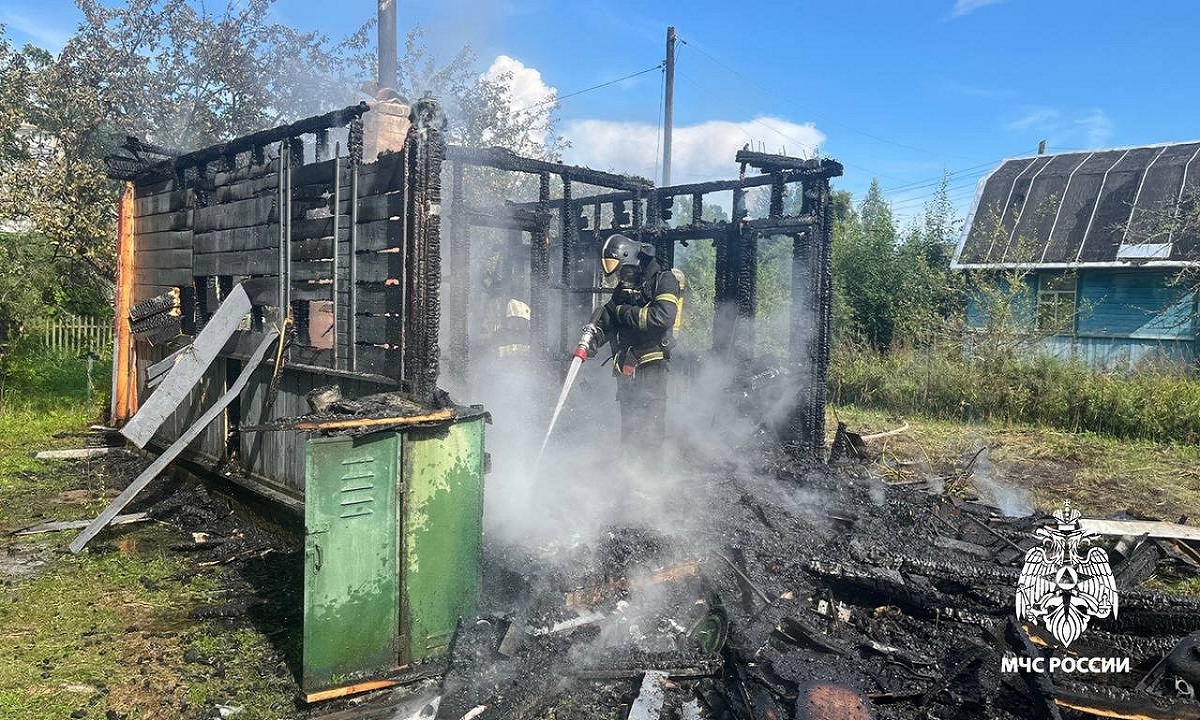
(1100, 238)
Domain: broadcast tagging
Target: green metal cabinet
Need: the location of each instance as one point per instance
(394, 524)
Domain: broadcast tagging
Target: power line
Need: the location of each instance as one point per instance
(560, 98)
(973, 171)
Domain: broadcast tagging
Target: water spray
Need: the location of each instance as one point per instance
(579, 357)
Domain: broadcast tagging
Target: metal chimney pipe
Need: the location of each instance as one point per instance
(388, 55)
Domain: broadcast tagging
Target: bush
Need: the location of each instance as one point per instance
(1161, 403)
(32, 377)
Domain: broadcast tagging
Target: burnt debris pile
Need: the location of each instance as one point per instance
(814, 596)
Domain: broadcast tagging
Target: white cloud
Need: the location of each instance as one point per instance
(527, 92)
(698, 152)
(42, 33)
(1089, 128)
(964, 7)
(526, 87)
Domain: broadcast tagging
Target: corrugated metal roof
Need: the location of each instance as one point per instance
(1114, 207)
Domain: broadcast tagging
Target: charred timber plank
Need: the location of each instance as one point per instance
(162, 222)
(167, 302)
(377, 298)
(336, 118)
(379, 267)
(503, 159)
(168, 240)
(311, 270)
(313, 290)
(312, 249)
(247, 189)
(379, 235)
(379, 207)
(816, 167)
(164, 277)
(148, 186)
(165, 259)
(378, 329)
(246, 172)
(785, 225)
(237, 239)
(701, 231)
(164, 202)
(162, 461)
(304, 355)
(189, 370)
(701, 188)
(237, 214)
(377, 360)
(1112, 708)
(237, 262)
(314, 173)
(317, 228)
(382, 176)
(1141, 527)
(1040, 684)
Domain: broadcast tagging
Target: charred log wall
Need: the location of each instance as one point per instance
(350, 250)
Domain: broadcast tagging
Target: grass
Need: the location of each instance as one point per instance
(1099, 473)
(109, 633)
(1154, 403)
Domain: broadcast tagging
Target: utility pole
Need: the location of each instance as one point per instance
(668, 106)
(388, 55)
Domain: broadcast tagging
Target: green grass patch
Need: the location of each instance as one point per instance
(1158, 404)
(111, 629)
(1099, 473)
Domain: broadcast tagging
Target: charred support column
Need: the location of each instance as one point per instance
(539, 273)
(426, 150)
(825, 327)
(459, 287)
(812, 295)
(124, 382)
(724, 291)
(744, 265)
(570, 264)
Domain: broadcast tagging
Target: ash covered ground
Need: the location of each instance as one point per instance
(795, 593)
(759, 589)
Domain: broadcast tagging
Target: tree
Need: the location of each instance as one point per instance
(865, 269)
(181, 75)
(698, 261)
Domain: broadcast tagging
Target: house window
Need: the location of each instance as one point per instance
(1056, 303)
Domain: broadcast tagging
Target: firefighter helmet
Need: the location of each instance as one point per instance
(620, 251)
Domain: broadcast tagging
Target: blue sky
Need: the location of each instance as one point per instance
(897, 91)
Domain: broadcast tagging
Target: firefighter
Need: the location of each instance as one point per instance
(638, 322)
(512, 339)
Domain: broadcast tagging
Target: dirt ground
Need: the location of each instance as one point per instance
(157, 621)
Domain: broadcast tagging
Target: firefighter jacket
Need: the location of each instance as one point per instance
(639, 321)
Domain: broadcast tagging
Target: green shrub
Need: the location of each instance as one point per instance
(32, 377)
(1160, 402)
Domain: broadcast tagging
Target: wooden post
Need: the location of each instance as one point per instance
(124, 384)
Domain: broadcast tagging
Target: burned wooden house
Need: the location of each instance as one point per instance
(291, 283)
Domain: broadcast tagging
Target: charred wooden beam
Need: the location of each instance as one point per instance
(458, 291)
(768, 162)
(539, 273)
(503, 159)
(504, 218)
(336, 118)
(426, 150)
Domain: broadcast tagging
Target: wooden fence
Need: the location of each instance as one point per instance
(75, 335)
